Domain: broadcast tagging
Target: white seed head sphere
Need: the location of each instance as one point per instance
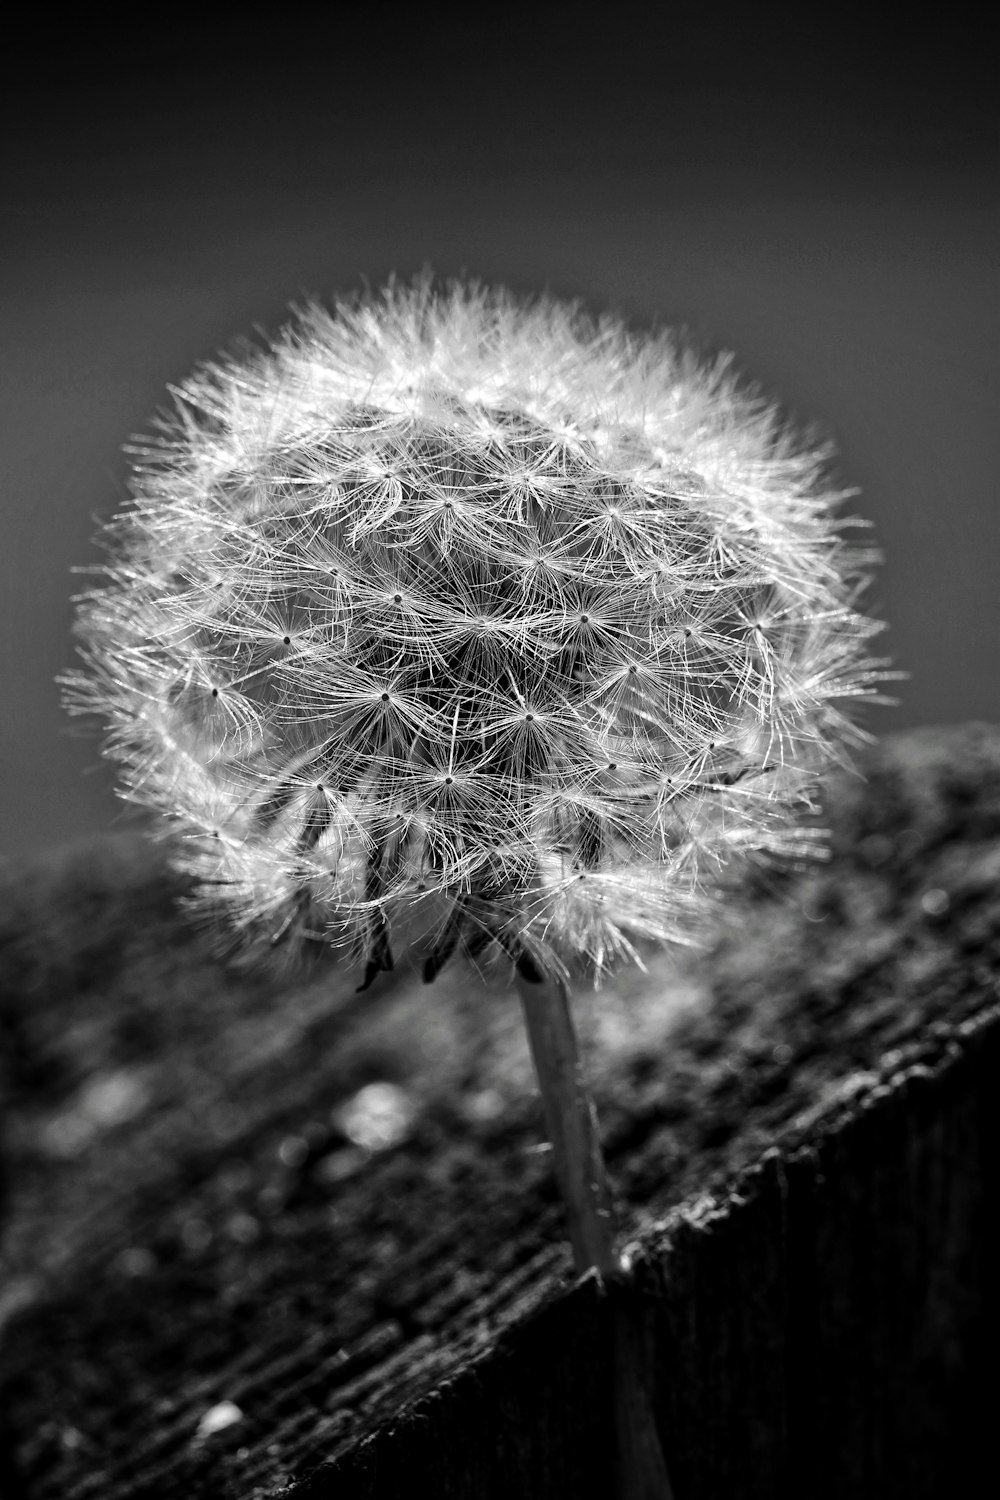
(470, 616)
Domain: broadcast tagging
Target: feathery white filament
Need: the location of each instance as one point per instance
(453, 601)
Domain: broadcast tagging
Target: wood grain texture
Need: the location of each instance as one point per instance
(203, 1202)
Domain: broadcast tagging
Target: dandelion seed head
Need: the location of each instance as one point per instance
(471, 616)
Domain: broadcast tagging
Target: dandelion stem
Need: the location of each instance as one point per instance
(570, 1120)
(642, 1468)
(571, 1123)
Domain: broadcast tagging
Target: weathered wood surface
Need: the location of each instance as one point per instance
(801, 1125)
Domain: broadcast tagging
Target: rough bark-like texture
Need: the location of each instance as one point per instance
(204, 1202)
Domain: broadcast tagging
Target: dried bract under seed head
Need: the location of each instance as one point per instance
(462, 614)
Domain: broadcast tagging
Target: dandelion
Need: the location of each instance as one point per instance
(476, 622)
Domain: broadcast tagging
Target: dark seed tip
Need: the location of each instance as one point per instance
(527, 968)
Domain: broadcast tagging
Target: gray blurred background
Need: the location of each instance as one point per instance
(817, 195)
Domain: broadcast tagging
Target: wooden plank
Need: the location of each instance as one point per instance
(800, 1126)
